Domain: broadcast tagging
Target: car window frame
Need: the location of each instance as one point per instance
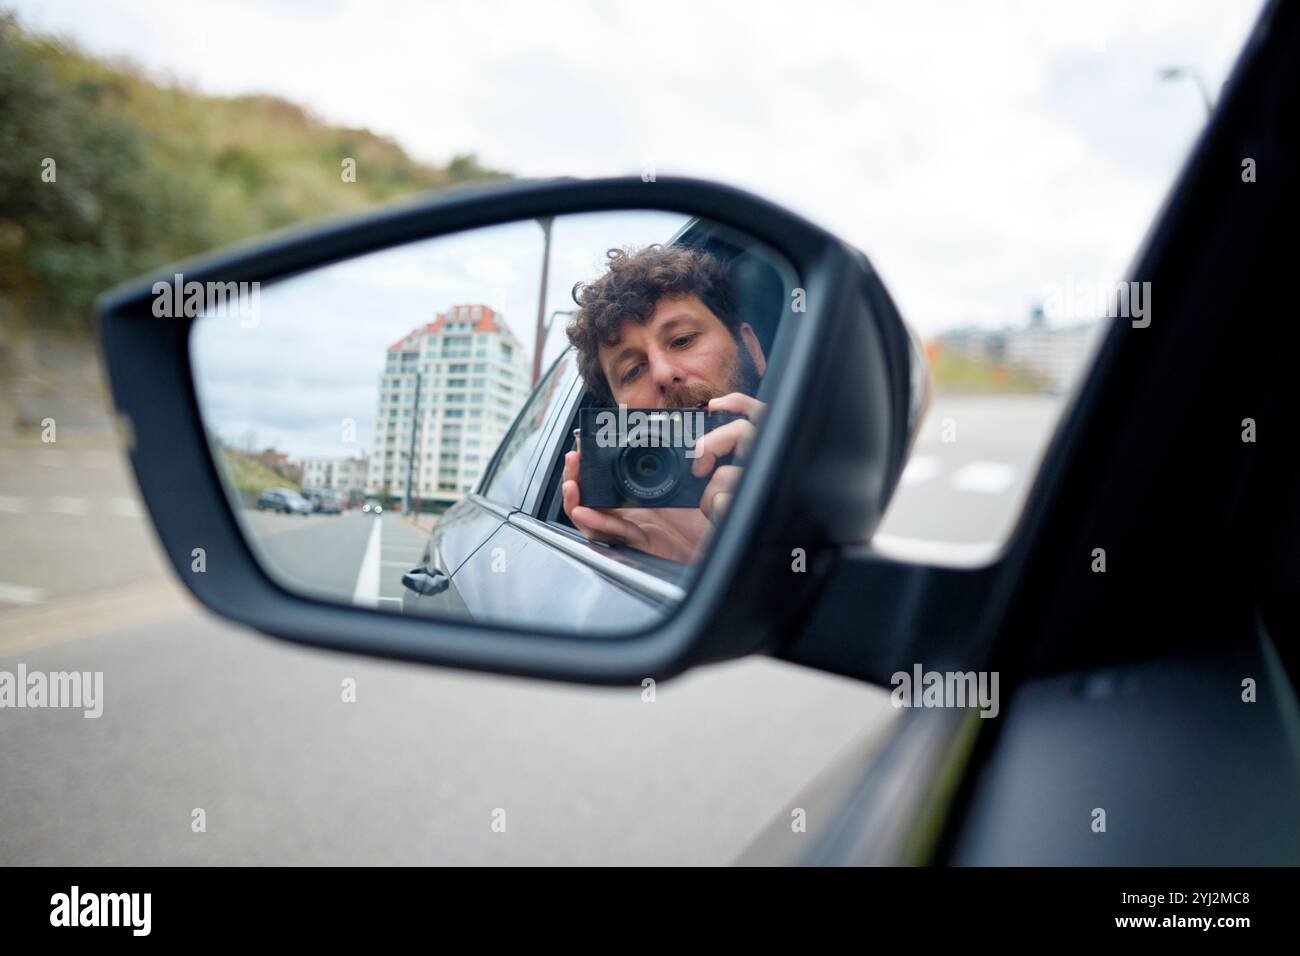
(490, 473)
(612, 561)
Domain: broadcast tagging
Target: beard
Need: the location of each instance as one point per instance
(741, 375)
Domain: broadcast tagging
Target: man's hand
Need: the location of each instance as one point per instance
(652, 530)
(733, 438)
(614, 526)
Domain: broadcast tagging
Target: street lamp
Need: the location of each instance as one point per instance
(1190, 73)
(551, 320)
(539, 339)
(410, 461)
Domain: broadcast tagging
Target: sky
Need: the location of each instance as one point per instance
(980, 153)
(309, 360)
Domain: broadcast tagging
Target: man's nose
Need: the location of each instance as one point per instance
(663, 370)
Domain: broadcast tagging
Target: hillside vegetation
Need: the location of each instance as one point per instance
(106, 173)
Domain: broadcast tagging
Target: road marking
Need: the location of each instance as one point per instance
(20, 594)
(367, 590)
(984, 477)
(12, 505)
(64, 505)
(942, 553)
(93, 614)
(920, 469)
(124, 507)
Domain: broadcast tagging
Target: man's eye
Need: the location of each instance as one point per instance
(682, 341)
(631, 373)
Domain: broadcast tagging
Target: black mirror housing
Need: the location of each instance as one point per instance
(831, 454)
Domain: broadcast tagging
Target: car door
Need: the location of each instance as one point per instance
(538, 566)
(461, 533)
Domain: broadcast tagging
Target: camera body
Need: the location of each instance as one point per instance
(642, 457)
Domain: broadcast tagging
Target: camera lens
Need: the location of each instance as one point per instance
(647, 474)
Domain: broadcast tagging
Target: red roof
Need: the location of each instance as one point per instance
(486, 322)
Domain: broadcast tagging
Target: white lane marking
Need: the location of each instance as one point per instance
(20, 594)
(941, 553)
(12, 505)
(125, 507)
(64, 505)
(920, 469)
(367, 590)
(984, 477)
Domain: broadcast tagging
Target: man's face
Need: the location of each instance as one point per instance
(681, 357)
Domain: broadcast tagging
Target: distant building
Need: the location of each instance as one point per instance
(346, 475)
(279, 462)
(472, 378)
(1055, 355)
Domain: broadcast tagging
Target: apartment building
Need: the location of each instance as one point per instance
(344, 475)
(449, 392)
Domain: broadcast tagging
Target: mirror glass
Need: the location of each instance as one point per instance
(538, 424)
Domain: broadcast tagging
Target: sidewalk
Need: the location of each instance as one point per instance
(424, 522)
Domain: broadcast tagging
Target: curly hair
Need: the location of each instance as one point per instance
(633, 285)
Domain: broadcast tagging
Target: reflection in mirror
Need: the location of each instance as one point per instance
(538, 424)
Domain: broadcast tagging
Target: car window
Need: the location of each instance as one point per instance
(507, 480)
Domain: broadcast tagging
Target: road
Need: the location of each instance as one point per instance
(201, 715)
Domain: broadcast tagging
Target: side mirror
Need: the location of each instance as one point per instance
(447, 527)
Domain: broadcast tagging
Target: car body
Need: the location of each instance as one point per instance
(285, 501)
(324, 502)
(372, 506)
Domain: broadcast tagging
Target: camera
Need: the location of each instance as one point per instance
(642, 457)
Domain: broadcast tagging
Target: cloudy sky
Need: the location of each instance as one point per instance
(981, 153)
(312, 357)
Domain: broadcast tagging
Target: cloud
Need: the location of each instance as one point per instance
(976, 151)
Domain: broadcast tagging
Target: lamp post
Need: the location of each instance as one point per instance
(539, 339)
(410, 461)
(1193, 74)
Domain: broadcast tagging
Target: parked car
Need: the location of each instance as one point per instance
(285, 501)
(324, 502)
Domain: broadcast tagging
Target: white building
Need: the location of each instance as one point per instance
(472, 377)
(336, 474)
(1056, 355)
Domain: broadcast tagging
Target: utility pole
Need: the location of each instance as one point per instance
(539, 339)
(1193, 74)
(410, 461)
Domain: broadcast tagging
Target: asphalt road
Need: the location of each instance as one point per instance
(258, 735)
(330, 556)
